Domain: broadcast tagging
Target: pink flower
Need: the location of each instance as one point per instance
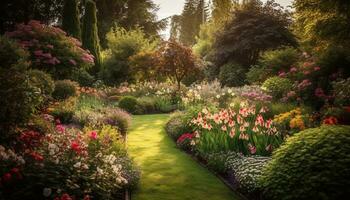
(232, 133)
(73, 62)
(293, 69)
(252, 149)
(224, 128)
(317, 68)
(60, 128)
(268, 148)
(93, 135)
(282, 74)
(319, 92)
(306, 72)
(38, 53)
(50, 46)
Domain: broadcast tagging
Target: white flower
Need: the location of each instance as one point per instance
(77, 165)
(218, 96)
(229, 91)
(99, 171)
(47, 192)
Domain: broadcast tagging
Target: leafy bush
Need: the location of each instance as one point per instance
(128, 103)
(51, 50)
(118, 118)
(64, 110)
(64, 89)
(232, 75)
(247, 170)
(281, 59)
(177, 125)
(164, 105)
(217, 161)
(82, 77)
(42, 81)
(146, 105)
(258, 74)
(277, 86)
(342, 92)
(312, 164)
(11, 54)
(19, 98)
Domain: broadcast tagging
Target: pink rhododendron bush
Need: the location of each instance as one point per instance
(51, 49)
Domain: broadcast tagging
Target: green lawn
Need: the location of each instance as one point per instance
(167, 172)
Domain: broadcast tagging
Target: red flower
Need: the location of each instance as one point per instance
(36, 156)
(93, 135)
(7, 177)
(330, 121)
(66, 197)
(75, 146)
(87, 197)
(183, 137)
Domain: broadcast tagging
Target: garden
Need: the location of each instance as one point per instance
(242, 100)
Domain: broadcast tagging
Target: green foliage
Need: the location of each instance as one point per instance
(83, 77)
(64, 89)
(277, 108)
(341, 89)
(247, 170)
(51, 50)
(271, 62)
(43, 81)
(90, 38)
(123, 45)
(177, 125)
(323, 21)
(70, 18)
(277, 86)
(64, 110)
(317, 158)
(146, 105)
(11, 54)
(164, 105)
(258, 74)
(253, 29)
(128, 103)
(19, 99)
(232, 75)
(193, 15)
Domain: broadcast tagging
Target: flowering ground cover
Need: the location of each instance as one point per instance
(168, 173)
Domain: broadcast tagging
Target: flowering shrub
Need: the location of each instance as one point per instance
(293, 121)
(51, 49)
(92, 162)
(330, 121)
(252, 93)
(208, 93)
(242, 130)
(185, 141)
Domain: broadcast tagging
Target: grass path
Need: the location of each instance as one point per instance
(167, 172)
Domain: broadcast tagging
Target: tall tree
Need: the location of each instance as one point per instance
(193, 15)
(253, 29)
(22, 11)
(110, 12)
(90, 38)
(221, 11)
(323, 21)
(71, 18)
(142, 13)
(175, 27)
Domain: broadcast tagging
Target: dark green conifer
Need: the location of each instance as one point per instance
(90, 38)
(70, 18)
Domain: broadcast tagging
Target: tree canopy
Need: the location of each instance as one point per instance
(254, 28)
